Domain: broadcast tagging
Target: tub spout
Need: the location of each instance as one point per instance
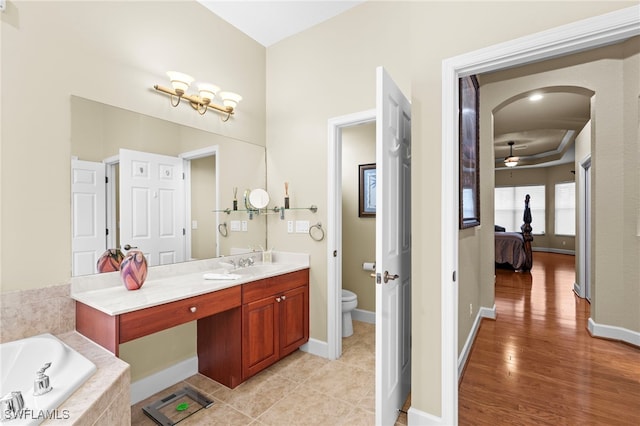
(41, 383)
(11, 404)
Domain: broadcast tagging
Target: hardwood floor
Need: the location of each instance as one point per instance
(537, 364)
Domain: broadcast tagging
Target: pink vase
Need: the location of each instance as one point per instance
(133, 270)
(110, 261)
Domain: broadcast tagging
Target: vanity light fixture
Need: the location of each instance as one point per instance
(204, 99)
(511, 161)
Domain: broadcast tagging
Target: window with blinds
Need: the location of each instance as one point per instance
(509, 207)
(565, 209)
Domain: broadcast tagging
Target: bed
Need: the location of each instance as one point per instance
(513, 249)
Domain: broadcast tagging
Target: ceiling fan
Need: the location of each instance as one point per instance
(511, 161)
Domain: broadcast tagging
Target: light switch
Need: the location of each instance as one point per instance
(244, 226)
(194, 224)
(235, 225)
(290, 226)
(302, 226)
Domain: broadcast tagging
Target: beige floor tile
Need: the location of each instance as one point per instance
(301, 389)
(298, 366)
(258, 394)
(343, 381)
(307, 406)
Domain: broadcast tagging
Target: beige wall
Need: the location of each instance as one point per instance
(114, 52)
(203, 203)
(358, 233)
(329, 71)
(609, 72)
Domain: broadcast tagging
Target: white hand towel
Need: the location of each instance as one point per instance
(212, 276)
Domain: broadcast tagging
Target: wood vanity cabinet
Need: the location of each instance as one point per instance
(275, 319)
(241, 329)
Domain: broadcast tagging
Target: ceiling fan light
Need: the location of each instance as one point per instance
(511, 161)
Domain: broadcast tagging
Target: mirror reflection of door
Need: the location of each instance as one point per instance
(88, 236)
(152, 206)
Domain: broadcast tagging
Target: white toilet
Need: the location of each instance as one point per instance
(349, 303)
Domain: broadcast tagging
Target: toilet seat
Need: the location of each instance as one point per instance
(348, 296)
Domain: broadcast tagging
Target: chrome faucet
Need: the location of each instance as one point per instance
(41, 383)
(11, 404)
(248, 261)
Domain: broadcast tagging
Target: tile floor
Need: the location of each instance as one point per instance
(301, 389)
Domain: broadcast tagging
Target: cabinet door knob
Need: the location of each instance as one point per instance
(193, 309)
(278, 299)
(284, 297)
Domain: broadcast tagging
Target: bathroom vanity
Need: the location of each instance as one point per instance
(243, 325)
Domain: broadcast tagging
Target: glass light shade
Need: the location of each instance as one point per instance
(207, 92)
(511, 161)
(180, 81)
(230, 99)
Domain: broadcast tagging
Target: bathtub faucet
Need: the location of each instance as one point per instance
(11, 404)
(41, 383)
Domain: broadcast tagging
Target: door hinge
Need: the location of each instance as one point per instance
(454, 276)
(184, 231)
(183, 176)
(106, 179)
(107, 231)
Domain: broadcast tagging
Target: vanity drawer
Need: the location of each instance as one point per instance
(260, 289)
(150, 320)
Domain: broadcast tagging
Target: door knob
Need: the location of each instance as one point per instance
(386, 277)
(129, 247)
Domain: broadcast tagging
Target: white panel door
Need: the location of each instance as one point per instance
(152, 205)
(88, 211)
(393, 249)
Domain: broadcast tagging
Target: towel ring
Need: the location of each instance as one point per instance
(222, 229)
(317, 226)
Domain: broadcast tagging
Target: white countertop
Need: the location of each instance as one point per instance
(169, 283)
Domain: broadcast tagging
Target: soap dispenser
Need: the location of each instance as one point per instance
(41, 383)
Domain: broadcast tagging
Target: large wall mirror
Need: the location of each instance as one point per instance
(159, 186)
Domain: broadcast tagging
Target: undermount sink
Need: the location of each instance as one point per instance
(259, 269)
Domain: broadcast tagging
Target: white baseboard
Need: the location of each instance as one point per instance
(150, 385)
(417, 417)
(466, 350)
(316, 347)
(614, 333)
(364, 316)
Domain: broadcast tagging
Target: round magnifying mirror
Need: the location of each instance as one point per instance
(259, 198)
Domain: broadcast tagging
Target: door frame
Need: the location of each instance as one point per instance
(213, 150)
(584, 228)
(560, 41)
(334, 225)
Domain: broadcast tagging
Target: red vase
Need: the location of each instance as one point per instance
(110, 260)
(133, 270)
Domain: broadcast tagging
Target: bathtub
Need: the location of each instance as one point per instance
(19, 362)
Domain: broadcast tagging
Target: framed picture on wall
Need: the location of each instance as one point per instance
(367, 192)
(469, 119)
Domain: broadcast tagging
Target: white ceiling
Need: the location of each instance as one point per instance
(268, 22)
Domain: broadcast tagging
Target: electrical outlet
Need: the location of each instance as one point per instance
(290, 226)
(470, 309)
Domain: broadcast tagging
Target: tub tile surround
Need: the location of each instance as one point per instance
(104, 398)
(26, 313)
